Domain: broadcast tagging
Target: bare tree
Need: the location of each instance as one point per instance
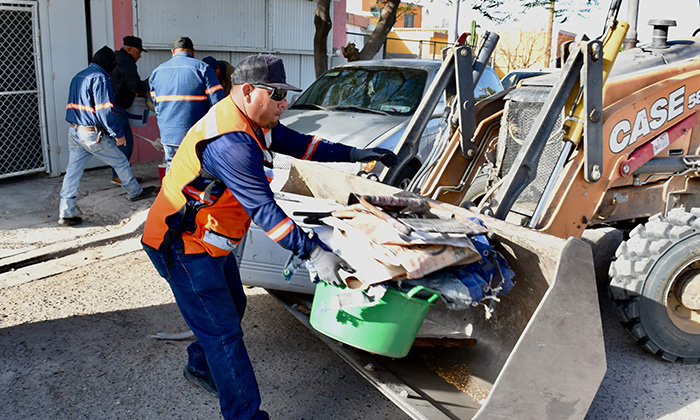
(387, 19)
(323, 24)
(522, 52)
(558, 9)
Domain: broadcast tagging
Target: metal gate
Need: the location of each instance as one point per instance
(23, 142)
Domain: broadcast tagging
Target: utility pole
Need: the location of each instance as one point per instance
(455, 28)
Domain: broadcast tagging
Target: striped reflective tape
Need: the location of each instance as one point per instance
(180, 98)
(312, 147)
(283, 228)
(213, 89)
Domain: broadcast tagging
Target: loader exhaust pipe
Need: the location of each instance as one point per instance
(659, 37)
(632, 18)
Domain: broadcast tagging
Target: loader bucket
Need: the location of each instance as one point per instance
(539, 356)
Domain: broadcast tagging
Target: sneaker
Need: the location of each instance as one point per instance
(206, 382)
(146, 193)
(70, 221)
(117, 181)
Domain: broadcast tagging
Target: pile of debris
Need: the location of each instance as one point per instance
(398, 243)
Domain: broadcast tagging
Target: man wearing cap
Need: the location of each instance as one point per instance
(183, 89)
(223, 70)
(94, 131)
(127, 84)
(218, 183)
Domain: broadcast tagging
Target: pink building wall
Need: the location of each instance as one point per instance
(123, 25)
(340, 37)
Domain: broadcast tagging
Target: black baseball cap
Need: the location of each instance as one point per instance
(182, 42)
(213, 63)
(262, 69)
(133, 41)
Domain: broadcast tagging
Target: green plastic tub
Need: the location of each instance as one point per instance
(387, 328)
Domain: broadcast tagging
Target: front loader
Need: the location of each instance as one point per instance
(570, 153)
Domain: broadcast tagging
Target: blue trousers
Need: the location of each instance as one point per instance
(127, 148)
(210, 296)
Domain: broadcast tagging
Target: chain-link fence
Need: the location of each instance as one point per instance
(22, 146)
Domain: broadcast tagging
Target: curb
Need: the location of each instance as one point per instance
(58, 250)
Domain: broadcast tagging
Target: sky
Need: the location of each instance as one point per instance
(686, 13)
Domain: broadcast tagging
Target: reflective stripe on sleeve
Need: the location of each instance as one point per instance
(163, 98)
(213, 89)
(312, 147)
(104, 106)
(283, 228)
(80, 107)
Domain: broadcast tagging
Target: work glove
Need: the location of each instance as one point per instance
(324, 266)
(387, 157)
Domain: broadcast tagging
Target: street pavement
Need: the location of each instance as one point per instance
(33, 247)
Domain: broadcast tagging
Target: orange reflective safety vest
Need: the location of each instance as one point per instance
(194, 205)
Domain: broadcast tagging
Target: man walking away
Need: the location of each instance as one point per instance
(183, 89)
(127, 84)
(94, 130)
(217, 185)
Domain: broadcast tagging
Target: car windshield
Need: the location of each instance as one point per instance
(384, 90)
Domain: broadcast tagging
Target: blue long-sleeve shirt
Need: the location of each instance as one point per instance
(183, 89)
(91, 101)
(237, 160)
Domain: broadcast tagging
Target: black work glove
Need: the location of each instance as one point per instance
(387, 157)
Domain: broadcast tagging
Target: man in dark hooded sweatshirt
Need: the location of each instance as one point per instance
(127, 84)
(94, 131)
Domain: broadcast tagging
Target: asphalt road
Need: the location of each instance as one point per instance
(75, 345)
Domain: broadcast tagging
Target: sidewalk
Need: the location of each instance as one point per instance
(29, 229)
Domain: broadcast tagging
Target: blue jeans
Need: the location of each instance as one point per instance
(210, 296)
(169, 153)
(127, 148)
(171, 137)
(81, 145)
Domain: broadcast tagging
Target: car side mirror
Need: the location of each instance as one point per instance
(294, 98)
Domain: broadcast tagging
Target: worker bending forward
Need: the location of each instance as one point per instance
(218, 182)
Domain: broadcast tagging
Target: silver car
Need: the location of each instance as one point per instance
(368, 104)
(362, 104)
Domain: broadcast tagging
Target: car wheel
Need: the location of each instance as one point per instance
(404, 177)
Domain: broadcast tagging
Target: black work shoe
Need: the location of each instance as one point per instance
(206, 382)
(70, 221)
(146, 193)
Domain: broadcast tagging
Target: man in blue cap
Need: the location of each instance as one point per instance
(183, 89)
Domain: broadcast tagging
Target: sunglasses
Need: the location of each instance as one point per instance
(275, 94)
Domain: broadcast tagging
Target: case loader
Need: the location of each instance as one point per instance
(610, 143)
(571, 152)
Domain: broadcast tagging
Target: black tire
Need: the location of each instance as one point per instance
(645, 279)
(404, 177)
